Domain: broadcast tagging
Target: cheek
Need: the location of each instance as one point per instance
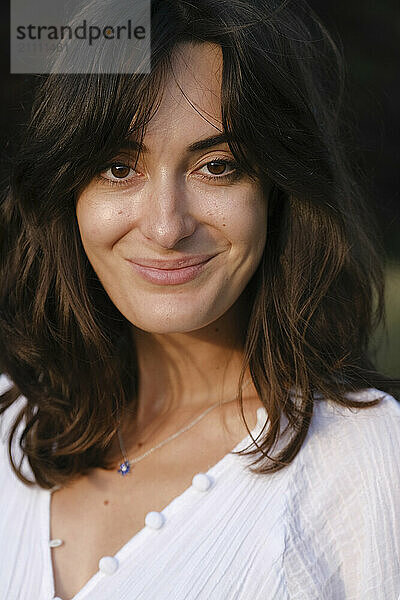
(99, 222)
(246, 221)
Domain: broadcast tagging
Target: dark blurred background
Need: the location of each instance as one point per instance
(369, 33)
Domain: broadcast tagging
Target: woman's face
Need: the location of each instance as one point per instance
(180, 202)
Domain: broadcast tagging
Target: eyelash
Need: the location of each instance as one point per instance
(228, 178)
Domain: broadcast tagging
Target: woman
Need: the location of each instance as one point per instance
(187, 268)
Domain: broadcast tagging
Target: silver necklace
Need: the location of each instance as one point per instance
(127, 465)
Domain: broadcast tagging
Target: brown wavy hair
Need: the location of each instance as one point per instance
(317, 293)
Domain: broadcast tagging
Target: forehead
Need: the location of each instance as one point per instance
(190, 103)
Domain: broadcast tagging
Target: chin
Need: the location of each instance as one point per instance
(168, 326)
(177, 313)
(178, 322)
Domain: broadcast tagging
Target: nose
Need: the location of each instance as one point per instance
(166, 215)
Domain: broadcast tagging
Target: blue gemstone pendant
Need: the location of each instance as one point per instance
(124, 468)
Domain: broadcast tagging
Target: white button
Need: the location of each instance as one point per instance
(108, 565)
(201, 482)
(55, 543)
(154, 519)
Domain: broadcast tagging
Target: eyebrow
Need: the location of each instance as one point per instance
(132, 144)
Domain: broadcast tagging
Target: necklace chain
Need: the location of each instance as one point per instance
(125, 466)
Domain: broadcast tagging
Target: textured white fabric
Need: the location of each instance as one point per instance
(327, 527)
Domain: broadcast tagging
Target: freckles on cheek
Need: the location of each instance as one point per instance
(249, 226)
(242, 213)
(99, 221)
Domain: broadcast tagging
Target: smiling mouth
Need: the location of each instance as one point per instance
(170, 265)
(176, 276)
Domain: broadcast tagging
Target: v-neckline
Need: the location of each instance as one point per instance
(140, 535)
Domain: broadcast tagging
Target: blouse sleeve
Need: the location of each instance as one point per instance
(343, 535)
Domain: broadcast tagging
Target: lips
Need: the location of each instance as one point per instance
(178, 263)
(167, 276)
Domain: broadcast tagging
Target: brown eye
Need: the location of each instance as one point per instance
(120, 171)
(215, 167)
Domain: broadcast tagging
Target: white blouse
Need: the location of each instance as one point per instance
(327, 527)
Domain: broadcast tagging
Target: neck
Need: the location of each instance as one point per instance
(190, 371)
(182, 374)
